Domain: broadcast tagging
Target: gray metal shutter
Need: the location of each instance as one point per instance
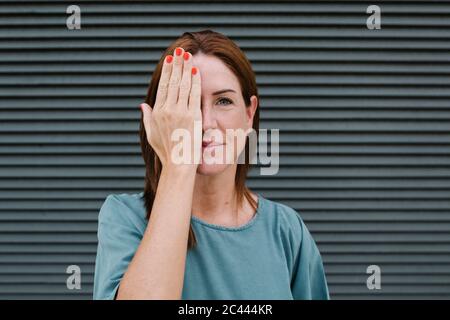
(364, 118)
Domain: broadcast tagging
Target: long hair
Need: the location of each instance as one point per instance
(210, 43)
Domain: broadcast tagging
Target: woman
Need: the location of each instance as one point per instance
(197, 232)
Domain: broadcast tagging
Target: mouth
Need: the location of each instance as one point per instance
(209, 144)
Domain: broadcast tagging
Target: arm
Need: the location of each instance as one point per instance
(309, 279)
(157, 269)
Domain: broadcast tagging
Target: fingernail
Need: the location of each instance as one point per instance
(186, 56)
(194, 70)
(178, 51)
(169, 58)
(142, 107)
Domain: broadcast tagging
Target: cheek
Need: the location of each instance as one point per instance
(233, 119)
(234, 124)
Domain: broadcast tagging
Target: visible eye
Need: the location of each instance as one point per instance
(228, 101)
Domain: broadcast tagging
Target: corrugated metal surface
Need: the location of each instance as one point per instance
(364, 117)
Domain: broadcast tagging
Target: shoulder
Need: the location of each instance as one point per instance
(291, 233)
(283, 216)
(123, 208)
(288, 225)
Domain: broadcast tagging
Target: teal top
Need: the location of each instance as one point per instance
(272, 256)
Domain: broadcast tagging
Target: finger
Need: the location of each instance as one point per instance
(185, 85)
(163, 85)
(175, 77)
(196, 90)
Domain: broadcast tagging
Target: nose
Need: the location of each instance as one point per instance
(209, 120)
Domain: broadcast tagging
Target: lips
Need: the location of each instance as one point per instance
(206, 144)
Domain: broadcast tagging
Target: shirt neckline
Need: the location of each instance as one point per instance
(247, 225)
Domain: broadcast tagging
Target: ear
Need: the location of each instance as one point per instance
(250, 110)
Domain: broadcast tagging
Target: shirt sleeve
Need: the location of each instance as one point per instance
(308, 280)
(118, 239)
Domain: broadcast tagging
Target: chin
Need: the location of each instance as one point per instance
(211, 169)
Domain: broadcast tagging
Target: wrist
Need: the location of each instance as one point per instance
(180, 170)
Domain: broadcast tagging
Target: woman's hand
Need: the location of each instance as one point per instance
(177, 106)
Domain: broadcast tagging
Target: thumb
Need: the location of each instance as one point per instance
(146, 112)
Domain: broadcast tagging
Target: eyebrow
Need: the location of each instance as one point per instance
(223, 91)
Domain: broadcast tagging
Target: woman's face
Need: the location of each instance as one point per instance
(225, 117)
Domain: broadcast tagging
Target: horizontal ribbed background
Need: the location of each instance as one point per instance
(364, 118)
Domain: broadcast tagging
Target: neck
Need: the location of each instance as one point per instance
(215, 196)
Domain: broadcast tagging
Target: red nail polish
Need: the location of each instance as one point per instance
(194, 70)
(186, 56)
(169, 58)
(178, 51)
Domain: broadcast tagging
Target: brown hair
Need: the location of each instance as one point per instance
(210, 43)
